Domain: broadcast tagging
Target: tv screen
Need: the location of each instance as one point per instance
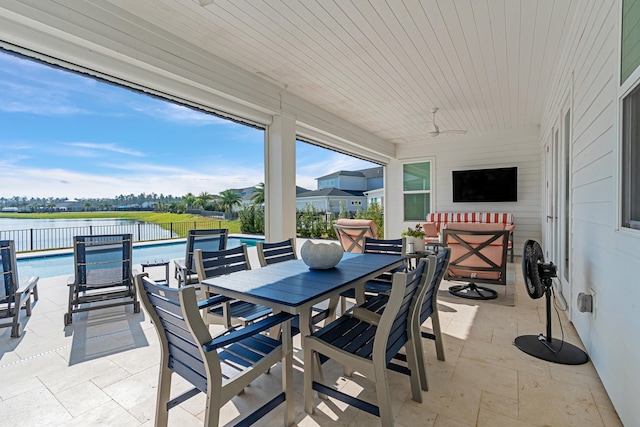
(486, 185)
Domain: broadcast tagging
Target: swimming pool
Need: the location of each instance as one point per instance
(51, 265)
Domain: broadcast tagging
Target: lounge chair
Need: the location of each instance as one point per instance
(222, 310)
(213, 239)
(479, 255)
(220, 367)
(366, 341)
(103, 273)
(351, 233)
(14, 294)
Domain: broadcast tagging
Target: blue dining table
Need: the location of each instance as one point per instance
(293, 287)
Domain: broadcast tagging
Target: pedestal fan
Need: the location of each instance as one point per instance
(538, 279)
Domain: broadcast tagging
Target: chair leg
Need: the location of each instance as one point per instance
(164, 394)
(437, 332)
(418, 376)
(383, 396)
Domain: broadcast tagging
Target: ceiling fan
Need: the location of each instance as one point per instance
(436, 130)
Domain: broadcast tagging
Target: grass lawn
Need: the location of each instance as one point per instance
(151, 217)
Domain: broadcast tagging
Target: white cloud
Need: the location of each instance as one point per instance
(112, 148)
(178, 113)
(59, 182)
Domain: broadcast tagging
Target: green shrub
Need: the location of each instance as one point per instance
(251, 219)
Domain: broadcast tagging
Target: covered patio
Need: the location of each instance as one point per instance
(102, 370)
(537, 85)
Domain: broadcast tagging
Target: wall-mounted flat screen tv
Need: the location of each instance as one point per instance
(486, 185)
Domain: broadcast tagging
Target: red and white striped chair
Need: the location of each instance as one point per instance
(437, 221)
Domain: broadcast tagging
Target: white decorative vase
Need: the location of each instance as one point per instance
(418, 243)
(321, 256)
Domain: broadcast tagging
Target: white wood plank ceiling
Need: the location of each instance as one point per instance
(383, 64)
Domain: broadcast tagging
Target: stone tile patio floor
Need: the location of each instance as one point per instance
(102, 370)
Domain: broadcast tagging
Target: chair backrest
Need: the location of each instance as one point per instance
(478, 252)
(103, 260)
(351, 233)
(399, 315)
(211, 239)
(218, 263)
(380, 246)
(171, 311)
(272, 253)
(10, 280)
(430, 299)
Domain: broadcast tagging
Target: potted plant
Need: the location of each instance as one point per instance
(416, 236)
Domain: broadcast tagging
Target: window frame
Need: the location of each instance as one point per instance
(626, 163)
(431, 191)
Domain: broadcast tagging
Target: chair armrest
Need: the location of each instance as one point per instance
(28, 284)
(71, 280)
(365, 315)
(510, 227)
(248, 331)
(219, 299)
(180, 263)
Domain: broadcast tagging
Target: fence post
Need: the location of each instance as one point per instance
(91, 230)
(31, 239)
(139, 233)
(171, 230)
(195, 225)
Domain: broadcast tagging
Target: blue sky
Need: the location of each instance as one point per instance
(66, 135)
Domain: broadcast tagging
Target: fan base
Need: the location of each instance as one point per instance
(563, 352)
(473, 291)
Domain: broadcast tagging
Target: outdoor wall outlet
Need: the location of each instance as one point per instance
(585, 303)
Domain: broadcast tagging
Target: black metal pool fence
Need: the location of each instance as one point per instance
(38, 239)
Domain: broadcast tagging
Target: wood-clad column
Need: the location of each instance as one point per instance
(280, 178)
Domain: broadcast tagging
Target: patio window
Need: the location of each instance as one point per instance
(416, 187)
(631, 160)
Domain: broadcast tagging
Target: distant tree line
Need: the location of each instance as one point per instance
(224, 202)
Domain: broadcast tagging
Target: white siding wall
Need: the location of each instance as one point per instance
(518, 148)
(604, 259)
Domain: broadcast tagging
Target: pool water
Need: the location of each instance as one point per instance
(62, 264)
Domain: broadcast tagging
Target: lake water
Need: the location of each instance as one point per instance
(39, 234)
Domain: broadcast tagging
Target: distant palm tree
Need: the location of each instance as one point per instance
(228, 199)
(257, 196)
(204, 198)
(189, 200)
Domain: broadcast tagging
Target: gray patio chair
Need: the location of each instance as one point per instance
(366, 341)
(428, 310)
(14, 294)
(220, 367)
(272, 253)
(222, 310)
(103, 273)
(210, 239)
(382, 283)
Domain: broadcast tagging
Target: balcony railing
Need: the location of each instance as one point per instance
(38, 239)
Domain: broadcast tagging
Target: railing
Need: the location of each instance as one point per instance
(37, 239)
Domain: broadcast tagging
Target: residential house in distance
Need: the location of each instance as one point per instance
(353, 189)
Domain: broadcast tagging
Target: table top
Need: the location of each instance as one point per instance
(287, 286)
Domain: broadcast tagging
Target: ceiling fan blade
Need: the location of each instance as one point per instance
(454, 132)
